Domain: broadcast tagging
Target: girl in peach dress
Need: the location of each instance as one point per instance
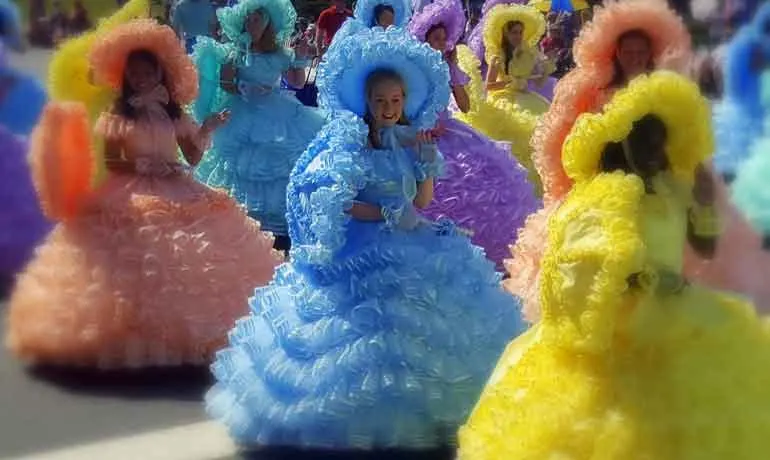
(151, 268)
(627, 38)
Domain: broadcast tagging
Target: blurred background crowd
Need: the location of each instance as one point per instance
(711, 22)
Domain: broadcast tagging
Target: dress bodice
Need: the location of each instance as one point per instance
(264, 69)
(663, 222)
(152, 136)
(392, 169)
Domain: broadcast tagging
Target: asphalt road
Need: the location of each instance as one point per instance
(60, 414)
(46, 409)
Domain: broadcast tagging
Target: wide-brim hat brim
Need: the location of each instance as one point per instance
(402, 10)
(344, 70)
(109, 55)
(447, 13)
(597, 43)
(282, 16)
(676, 100)
(500, 15)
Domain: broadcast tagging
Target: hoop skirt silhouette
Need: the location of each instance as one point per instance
(374, 335)
(253, 155)
(656, 371)
(483, 189)
(149, 269)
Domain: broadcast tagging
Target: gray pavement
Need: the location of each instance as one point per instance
(47, 409)
(63, 414)
(50, 409)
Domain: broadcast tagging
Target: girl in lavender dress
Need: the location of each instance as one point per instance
(484, 189)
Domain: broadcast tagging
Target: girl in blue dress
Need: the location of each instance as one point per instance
(382, 330)
(375, 13)
(269, 129)
(739, 117)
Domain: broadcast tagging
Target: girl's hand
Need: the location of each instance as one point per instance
(426, 137)
(439, 130)
(303, 50)
(215, 121)
(451, 56)
(704, 190)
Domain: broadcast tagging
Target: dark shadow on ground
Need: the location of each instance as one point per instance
(181, 384)
(296, 454)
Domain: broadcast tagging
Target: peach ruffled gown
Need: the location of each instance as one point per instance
(148, 269)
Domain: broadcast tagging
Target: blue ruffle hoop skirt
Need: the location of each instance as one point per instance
(386, 344)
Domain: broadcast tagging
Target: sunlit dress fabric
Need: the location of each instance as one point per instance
(375, 334)
(666, 370)
(269, 128)
(148, 269)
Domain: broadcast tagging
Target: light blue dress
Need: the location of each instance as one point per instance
(739, 117)
(254, 153)
(376, 334)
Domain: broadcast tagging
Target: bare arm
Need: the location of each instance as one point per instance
(228, 76)
(366, 212)
(492, 73)
(320, 39)
(191, 150)
(702, 228)
(461, 98)
(424, 194)
(296, 77)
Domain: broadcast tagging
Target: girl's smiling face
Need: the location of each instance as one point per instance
(142, 75)
(386, 103)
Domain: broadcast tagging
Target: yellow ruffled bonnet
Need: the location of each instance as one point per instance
(670, 96)
(499, 16)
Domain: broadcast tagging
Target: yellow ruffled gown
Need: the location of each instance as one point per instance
(509, 114)
(663, 371)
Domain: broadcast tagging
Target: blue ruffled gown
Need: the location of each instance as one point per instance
(739, 116)
(371, 337)
(253, 155)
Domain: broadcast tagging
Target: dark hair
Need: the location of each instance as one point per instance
(434, 28)
(375, 78)
(614, 156)
(618, 78)
(123, 107)
(378, 10)
(507, 50)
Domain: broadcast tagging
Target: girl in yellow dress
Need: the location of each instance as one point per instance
(630, 361)
(503, 107)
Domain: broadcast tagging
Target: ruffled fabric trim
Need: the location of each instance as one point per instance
(375, 358)
(673, 98)
(448, 13)
(582, 89)
(750, 191)
(593, 246)
(317, 199)
(671, 41)
(108, 57)
(500, 15)
(342, 75)
(61, 159)
(364, 11)
(209, 56)
(735, 131)
(232, 19)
